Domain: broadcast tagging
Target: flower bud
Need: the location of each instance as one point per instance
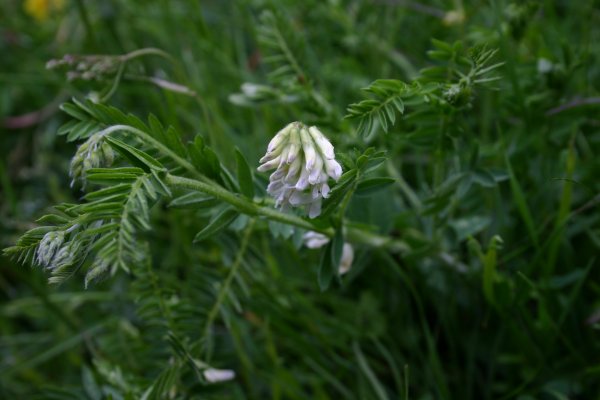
(347, 259)
(315, 240)
(94, 153)
(213, 375)
(48, 247)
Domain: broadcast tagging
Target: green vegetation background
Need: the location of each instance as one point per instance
(421, 325)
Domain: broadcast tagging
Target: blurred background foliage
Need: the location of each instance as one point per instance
(496, 193)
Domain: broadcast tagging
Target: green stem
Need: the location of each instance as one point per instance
(115, 84)
(147, 52)
(242, 204)
(83, 14)
(207, 186)
(185, 164)
(246, 206)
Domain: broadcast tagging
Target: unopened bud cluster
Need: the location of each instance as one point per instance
(458, 94)
(94, 153)
(49, 246)
(304, 161)
(92, 67)
(56, 253)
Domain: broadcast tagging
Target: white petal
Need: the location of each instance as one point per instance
(294, 152)
(315, 173)
(325, 145)
(308, 147)
(274, 187)
(293, 170)
(278, 174)
(270, 165)
(303, 180)
(324, 177)
(347, 258)
(214, 375)
(315, 192)
(270, 155)
(315, 209)
(325, 190)
(333, 168)
(314, 240)
(298, 198)
(280, 137)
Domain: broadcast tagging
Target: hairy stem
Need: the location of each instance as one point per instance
(182, 162)
(248, 207)
(242, 204)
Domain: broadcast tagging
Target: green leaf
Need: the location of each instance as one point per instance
(337, 248)
(83, 130)
(346, 182)
(326, 268)
(468, 226)
(244, 175)
(193, 200)
(67, 127)
(113, 175)
(217, 224)
(204, 158)
(75, 111)
(521, 202)
(369, 373)
(137, 157)
(489, 269)
(484, 177)
(372, 185)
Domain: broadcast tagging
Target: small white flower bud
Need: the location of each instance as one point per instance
(324, 145)
(213, 375)
(315, 240)
(347, 259)
(315, 174)
(48, 246)
(93, 153)
(334, 169)
(280, 137)
(314, 209)
(308, 146)
(270, 164)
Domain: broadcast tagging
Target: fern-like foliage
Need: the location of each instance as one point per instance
(442, 87)
(388, 98)
(289, 79)
(103, 231)
(280, 44)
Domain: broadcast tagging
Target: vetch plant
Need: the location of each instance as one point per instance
(133, 172)
(228, 253)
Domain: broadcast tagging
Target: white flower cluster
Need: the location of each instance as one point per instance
(304, 160)
(315, 240)
(49, 246)
(93, 153)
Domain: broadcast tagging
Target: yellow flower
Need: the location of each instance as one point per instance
(41, 9)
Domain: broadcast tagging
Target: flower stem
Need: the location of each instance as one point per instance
(250, 208)
(242, 204)
(185, 164)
